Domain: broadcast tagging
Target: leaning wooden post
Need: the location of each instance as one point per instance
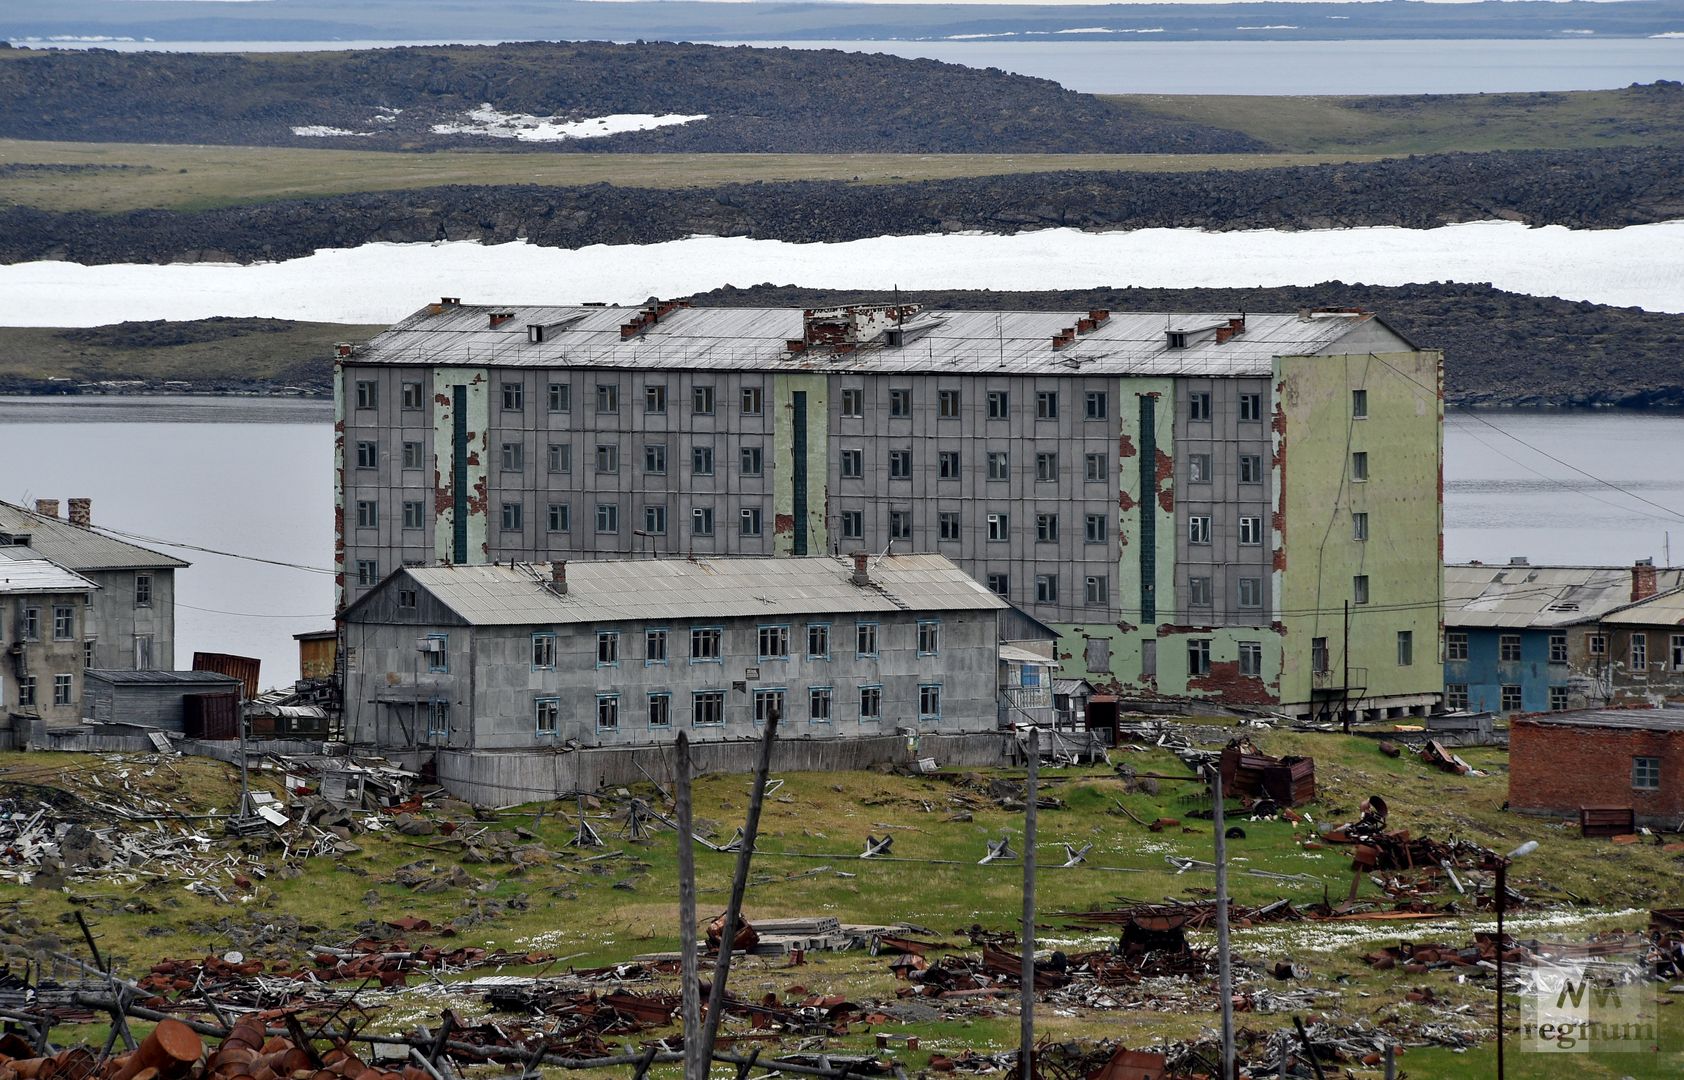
(695, 1066)
(739, 885)
(1026, 1010)
(1224, 968)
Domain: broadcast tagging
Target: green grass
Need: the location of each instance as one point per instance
(1435, 123)
(39, 353)
(202, 177)
(570, 908)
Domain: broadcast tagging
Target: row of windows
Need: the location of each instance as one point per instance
(997, 465)
(773, 642)
(1250, 469)
(64, 623)
(1319, 654)
(559, 398)
(1200, 410)
(950, 525)
(28, 692)
(1509, 648)
(997, 404)
(707, 708)
(1201, 529)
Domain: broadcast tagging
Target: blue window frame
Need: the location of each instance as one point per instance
(607, 648)
(707, 644)
(929, 701)
(820, 700)
(659, 712)
(774, 641)
(438, 655)
(608, 712)
(656, 642)
(865, 639)
(438, 718)
(543, 651)
(767, 698)
(929, 637)
(818, 641)
(707, 708)
(546, 716)
(871, 703)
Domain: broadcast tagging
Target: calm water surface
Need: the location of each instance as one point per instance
(1210, 67)
(254, 477)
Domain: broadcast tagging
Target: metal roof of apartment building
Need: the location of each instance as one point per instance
(1662, 609)
(1663, 719)
(79, 548)
(650, 589)
(21, 577)
(967, 342)
(1520, 596)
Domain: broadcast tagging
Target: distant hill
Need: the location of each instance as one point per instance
(754, 100)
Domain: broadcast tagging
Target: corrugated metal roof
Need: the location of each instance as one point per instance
(971, 342)
(1521, 597)
(78, 548)
(640, 590)
(119, 677)
(1662, 609)
(20, 577)
(1643, 719)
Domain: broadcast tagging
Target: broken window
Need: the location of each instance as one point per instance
(543, 652)
(768, 703)
(865, 639)
(1198, 468)
(367, 394)
(947, 464)
(1198, 655)
(1198, 529)
(514, 397)
(1198, 407)
(900, 524)
(853, 525)
(1098, 655)
(900, 464)
(947, 404)
(750, 521)
(607, 648)
(947, 525)
(560, 458)
(560, 517)
(1251, 531)
(660, 710)
(1508, 648)
(999, 404)
(754, 401)
(61, 689)
(1251, 658)
(546, 718)
(871, 702)
(1095, 405)
(1359, 404)
(1646, 773)
(608, 712)
(900, 402)
(1318, 656)
(412, 395)
(999, 584)
(1405, 648)
(701, 400)
(1094, 470)
(1359, 589)
(1046, 528)
(1198, 591)
(1094, 591)
(1251, 592)
(607, 398)
(1455, 645)
(1251, 407)
(1046, 467)
(999, 527)
(512, 517)
(929, 701)
(1456, 697)
(438, 717)
(1359, 525)
(1251, 470)
(1639, 652)
(655, 399)
(64, 624)
(818, 641)
(701, 521)
(853, 402)
(655, 520)
(412, 452)
(560, 397)
(929, 637)
(752, 460)
(1558, 647)
(1509, 698)
(1359, 465)
(1558, 698)
(818, 704)
(999, 465)
(654, 646)
(1148, 659)
(1093, 529)
(774, 643)
(1046, 405)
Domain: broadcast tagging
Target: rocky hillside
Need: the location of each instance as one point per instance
(1580, 188)
(754, 100)
(1500, 348)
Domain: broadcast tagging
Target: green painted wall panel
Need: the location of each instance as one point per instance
(474, 481)
(817, 460)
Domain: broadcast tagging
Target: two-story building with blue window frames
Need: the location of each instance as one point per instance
(516, 656)
(1512, 631)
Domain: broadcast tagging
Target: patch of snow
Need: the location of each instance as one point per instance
(1272, 26)
(1325, 937)
(1669, 34)
(1640, 265)
(1112, 30)
(979, 37)
(489, 122)
(1577, 31)
(319, 131)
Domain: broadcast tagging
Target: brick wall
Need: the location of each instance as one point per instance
(1555, 768)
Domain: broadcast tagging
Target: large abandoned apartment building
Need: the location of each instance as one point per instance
(1240, 508)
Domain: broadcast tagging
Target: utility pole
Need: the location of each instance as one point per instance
(695, 1067)
(739, 885)
(1026, 1006)
(1224, 967)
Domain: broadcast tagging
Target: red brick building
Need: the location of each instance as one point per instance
(1613, 757)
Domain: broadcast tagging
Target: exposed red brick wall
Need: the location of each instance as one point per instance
(1556, 768)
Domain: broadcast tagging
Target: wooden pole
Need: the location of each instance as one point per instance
(1224, 966)
(694, 1067)
(739, 885)
(1502, 903)
(1026, 1008)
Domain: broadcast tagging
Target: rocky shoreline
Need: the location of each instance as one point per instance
(1585, 189)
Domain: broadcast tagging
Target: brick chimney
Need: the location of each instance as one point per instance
(861, 575)
(47, 507)
(82, 513)
(1642, 580)
(558, 577)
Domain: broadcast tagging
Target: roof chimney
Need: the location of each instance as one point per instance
(558, 578)
(861, 575)
(82, 513)
(1642, 580)
(47, 507)
(1518, 560)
